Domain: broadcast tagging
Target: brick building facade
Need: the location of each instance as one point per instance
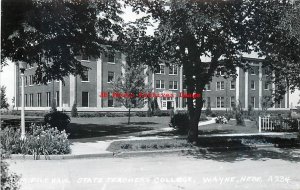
(250, 88)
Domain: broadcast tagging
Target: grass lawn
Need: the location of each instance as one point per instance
(231, 127)
(107, 126)
(143, 145)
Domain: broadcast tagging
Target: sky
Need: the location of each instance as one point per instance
(7, 75)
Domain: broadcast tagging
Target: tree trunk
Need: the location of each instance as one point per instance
(129, 116)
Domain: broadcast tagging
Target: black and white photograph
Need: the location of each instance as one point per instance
(150, 94)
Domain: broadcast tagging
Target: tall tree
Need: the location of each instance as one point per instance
(4, 103)
(189, 30)
(129, 88)
(278, 40)
(51, 33)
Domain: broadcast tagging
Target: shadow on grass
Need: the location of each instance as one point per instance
(233, 150)
(78, 131)
(235, 155)
(140, 123)
(202, 132)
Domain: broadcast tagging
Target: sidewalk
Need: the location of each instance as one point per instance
(99, 145)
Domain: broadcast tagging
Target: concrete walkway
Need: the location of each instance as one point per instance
(99, 146)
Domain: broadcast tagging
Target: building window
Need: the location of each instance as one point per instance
(48, 99)
(267, 87)
(85, 99)
(266, 71)
(232, 101)
(173, 85)
(39, 100)
(26, 82)
(173, 70)
(30, 80)
(57, 98)
(252, 71)
(110, 100)
(160, 84)
(208, 102)
(252, 85)
(220, 85)
(31, 100)
(207, 87)
(253, 101)
(85, 58)
(222, 73)
(111, 57)
(85, 77)
(26, 100)
(232, 84)
(161, 69)
(220, 102)
(110, 76)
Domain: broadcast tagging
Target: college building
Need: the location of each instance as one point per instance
(250, 88)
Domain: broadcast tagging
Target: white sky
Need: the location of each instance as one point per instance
(7, 76)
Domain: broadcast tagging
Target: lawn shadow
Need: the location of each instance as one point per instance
(246, 153)
(79, 131)
(233, 149)
(203, 132)
(141, 123)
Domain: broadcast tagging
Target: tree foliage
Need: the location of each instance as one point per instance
(189, 30)
(4, 103)
(127, 88)
(51, 33)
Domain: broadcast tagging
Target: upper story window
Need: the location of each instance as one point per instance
(232, 84)
(111, 57)
(85, 77)
(220, 85)
(160, 84)
(26, 81)
(85, 57)
(30, 80)
(173, 85)
(252, 85)
(173, 70)
(267, 71)
(252, 71)
(267, 86)
(110, 77)
(207, 87)
(161, 69)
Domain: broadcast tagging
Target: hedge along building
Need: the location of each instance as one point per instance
(250, 87)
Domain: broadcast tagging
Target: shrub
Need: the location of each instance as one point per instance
(74, 112)
(228, 115)
(141, 114)
(161, 113)
(180, 122)
(9, 181)
(208, 111)
(213, 114)
(38, 141)
(57, 119)
(221, 120)
(10, 140)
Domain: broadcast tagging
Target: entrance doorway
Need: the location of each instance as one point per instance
(169, 105)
